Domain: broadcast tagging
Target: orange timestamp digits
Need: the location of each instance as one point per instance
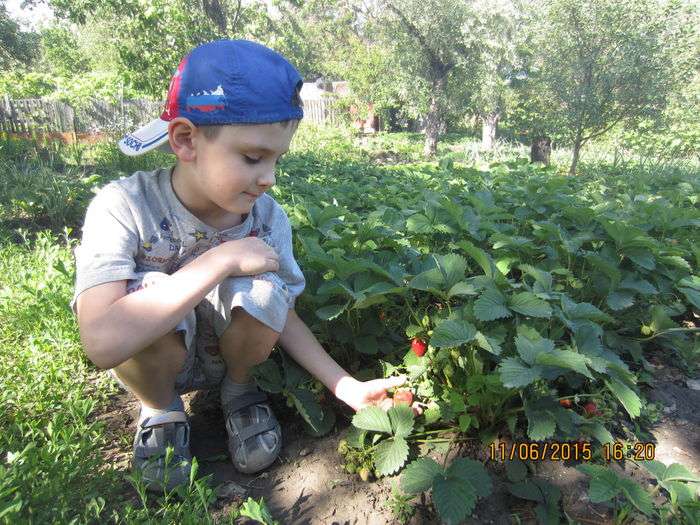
(639, 451)
(540, 451)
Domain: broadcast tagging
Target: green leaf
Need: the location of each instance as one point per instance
(491, 305)
(620, 300)
(583, 311)
(454, 266)
(529, 348)
(598, 431)
(454, 499)
(565, 359)
(526, 490)
(324, 426)
(641, 286)
(330, 312)
(480, 256)
(401, 418)
(673, 472)
(626, 395)
(487, 343)
(604, 486)
(515, 374)
(693, 296)
(366, 344)
(431, 280)
(541, 277)
(641, 257)
(256, 510)
(462, 288)
(527, 303)
(390, 455)
(306, 403)
(472, 472)
(419, 223)
(372, 418)
(639, 497)
(451, 333)
(516, 470)
(418, 476)
(267, 375)
(540, 424)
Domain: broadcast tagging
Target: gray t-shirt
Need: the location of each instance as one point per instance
(137, 224)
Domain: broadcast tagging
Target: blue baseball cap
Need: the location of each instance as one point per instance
(224, 82)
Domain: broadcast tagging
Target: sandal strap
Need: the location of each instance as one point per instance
(163, 435)
(243, 401)
(255, 429)
(162, 419)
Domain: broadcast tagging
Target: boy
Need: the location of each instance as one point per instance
(186, 277)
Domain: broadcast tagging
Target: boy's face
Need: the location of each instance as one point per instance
(235, 163)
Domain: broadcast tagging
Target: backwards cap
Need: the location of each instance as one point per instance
(223, 82)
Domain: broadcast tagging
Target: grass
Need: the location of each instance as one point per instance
(51, 465)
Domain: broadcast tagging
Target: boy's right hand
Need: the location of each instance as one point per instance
(249, 256)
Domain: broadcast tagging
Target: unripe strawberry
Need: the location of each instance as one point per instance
(403, 397)
(418, 346)
(382, 315)
(364, 474)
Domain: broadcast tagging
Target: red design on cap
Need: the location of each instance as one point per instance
(171, 108)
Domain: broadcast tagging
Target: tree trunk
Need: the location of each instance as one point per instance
(541, 149)
(433, 120)
(577, 150)
(489, 125)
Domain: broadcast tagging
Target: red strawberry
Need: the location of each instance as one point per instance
(403, 397)
(566, 403)
(591, 409)
(382, 315)
(418, 346)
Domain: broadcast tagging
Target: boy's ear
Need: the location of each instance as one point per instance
(181, 133)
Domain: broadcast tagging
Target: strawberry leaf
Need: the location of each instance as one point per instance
(372, 418)
(390, 455)
(626, 395)
(454, 499)
(639, 497)
(472, 472)
(491, 305)
(527, 303)
(401, 418)
(516, 374)
(418, 476)
(452, 333)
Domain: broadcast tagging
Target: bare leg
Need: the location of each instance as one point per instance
(245, 343)
(151, 373)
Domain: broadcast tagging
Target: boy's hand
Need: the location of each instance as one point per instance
(249, 256)
(361, 394)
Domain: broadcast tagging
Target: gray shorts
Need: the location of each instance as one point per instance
(264, 296)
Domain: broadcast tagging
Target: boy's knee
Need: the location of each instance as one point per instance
(169, 350)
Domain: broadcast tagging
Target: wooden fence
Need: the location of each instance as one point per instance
(23, 116)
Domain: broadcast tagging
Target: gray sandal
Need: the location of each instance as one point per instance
(153, 435)
(254, 434)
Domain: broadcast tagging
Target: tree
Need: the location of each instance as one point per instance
(432, 44)
(599, 63)
(500, 24)
(17, 47)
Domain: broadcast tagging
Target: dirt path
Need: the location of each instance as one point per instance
(308, 485)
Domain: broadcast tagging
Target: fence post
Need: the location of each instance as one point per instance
(8, 108)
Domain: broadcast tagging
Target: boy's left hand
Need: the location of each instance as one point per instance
(361, 394)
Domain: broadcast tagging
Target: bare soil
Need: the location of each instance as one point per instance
(308, 485)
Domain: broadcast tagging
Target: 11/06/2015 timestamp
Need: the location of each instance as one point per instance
(570, 451)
